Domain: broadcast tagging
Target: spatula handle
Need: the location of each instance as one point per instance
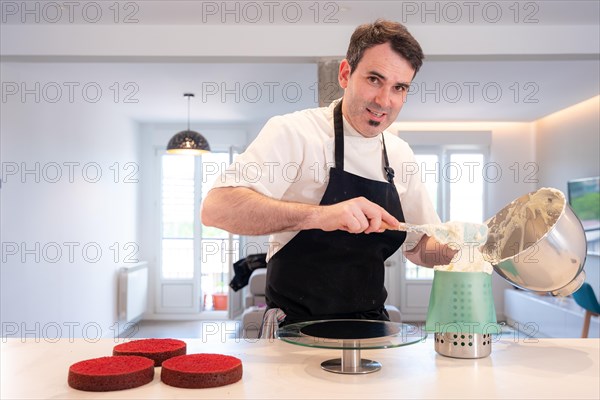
(401, 227)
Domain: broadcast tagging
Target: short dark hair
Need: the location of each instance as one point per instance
(380, 32)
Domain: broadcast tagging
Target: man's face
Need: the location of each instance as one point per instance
(376, 90)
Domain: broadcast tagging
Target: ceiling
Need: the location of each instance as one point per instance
(453, 85)
(308, 12)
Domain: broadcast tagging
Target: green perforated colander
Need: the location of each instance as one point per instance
(462, 303)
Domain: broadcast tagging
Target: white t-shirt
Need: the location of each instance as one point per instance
(290, 159)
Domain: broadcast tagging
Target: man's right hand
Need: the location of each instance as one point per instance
(357, 215)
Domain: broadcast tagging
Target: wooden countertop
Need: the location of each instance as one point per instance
(517, 368)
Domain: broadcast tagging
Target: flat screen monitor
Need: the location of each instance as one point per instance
(584, 199)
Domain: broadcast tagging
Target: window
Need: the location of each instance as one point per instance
(188, 248)
(178, 206)
(454, 181)
(466, 187)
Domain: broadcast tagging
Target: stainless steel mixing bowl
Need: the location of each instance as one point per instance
(537, 243)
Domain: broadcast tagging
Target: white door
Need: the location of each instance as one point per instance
(178, 280)
(195, 262)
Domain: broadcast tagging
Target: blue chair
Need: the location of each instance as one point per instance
(586, 298)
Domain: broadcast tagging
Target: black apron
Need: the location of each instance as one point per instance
(332, 275)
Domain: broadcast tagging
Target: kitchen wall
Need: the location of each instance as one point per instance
(568, 143)
(69, 200)
(567, 148)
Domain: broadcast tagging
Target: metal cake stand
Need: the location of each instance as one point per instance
(351, 336)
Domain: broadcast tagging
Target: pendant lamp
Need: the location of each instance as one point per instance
(188, 142)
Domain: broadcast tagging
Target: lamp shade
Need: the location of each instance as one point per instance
(188, 142)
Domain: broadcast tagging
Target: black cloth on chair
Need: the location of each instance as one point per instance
(244, 267)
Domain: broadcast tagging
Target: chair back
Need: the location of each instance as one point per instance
(586, 298)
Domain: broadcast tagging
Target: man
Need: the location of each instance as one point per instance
(328, 243)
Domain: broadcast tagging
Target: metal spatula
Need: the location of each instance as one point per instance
(449, 232)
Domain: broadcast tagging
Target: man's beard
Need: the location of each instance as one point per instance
(374, 123)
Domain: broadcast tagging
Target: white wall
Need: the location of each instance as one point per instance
(237, 40)
(568, 144)
(53, 281)
(568, 147)
(513, 148)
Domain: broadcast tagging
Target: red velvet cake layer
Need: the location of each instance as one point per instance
(111, 373)
(158, 350)
(201, 371)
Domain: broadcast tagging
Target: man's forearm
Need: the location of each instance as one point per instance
(245, 212)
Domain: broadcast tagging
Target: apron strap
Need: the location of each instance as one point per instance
(338, 127)
(389, 171)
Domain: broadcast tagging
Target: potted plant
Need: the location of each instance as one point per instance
(220, 298)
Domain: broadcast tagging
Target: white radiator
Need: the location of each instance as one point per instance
(133, 291)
